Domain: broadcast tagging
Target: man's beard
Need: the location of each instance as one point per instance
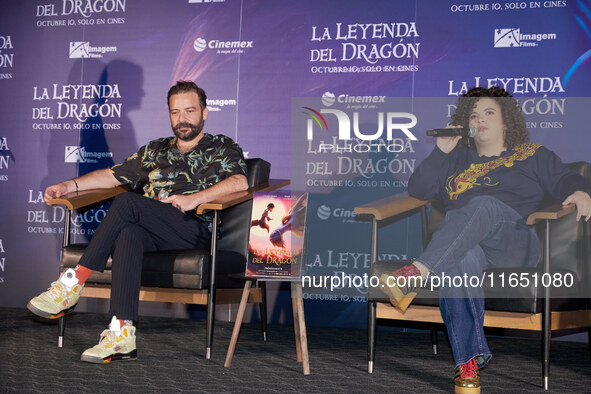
(194, 131)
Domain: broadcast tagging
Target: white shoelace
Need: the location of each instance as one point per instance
(107, 337)
(56, 290)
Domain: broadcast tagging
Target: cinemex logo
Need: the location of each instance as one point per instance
(83, 50)
(513, 38)
(225, 47)
(324, 212)
(329, 98)
(78, 154)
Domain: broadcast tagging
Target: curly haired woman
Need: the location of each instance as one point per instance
(490, 183)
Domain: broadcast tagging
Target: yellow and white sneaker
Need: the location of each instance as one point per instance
(117, 343)
(61, 297)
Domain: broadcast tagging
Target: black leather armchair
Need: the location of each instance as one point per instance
(185, 276)
(567, 250)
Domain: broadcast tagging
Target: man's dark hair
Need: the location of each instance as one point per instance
(513, 119)
(270, 205)
(186, 87)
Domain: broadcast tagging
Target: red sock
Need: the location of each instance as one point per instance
(408, 270)
(82, 273)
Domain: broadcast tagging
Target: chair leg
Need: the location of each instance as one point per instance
(371, 335)
(434, 339)
(209, 323)
(263, 308)
(546, 338)
(61, 329)
(372, 305)
(209, 328)
(547, 312)
(212, 290)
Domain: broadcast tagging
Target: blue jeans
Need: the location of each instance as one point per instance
(486, 233)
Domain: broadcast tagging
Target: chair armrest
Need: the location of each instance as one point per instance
(553, 212)
(84, 198)
(390, 206)
(232, 199)
(75, 200)
(402, 202)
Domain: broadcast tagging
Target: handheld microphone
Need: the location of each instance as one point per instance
(463, 131)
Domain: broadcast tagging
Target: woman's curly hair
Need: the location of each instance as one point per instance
(516, 132)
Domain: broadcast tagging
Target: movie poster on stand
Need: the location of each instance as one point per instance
(277, 235)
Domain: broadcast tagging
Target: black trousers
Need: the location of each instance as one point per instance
(134, 225)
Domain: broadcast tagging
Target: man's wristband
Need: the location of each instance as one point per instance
(75, 183)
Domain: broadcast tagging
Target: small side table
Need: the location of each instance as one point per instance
(299, 323)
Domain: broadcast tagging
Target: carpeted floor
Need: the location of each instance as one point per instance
(171, 359)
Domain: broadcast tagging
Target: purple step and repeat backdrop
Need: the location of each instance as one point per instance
(83, 84)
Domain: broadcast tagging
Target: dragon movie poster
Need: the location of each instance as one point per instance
(276, 244)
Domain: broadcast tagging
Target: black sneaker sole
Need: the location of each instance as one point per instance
(113, 357)
(38, 312)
